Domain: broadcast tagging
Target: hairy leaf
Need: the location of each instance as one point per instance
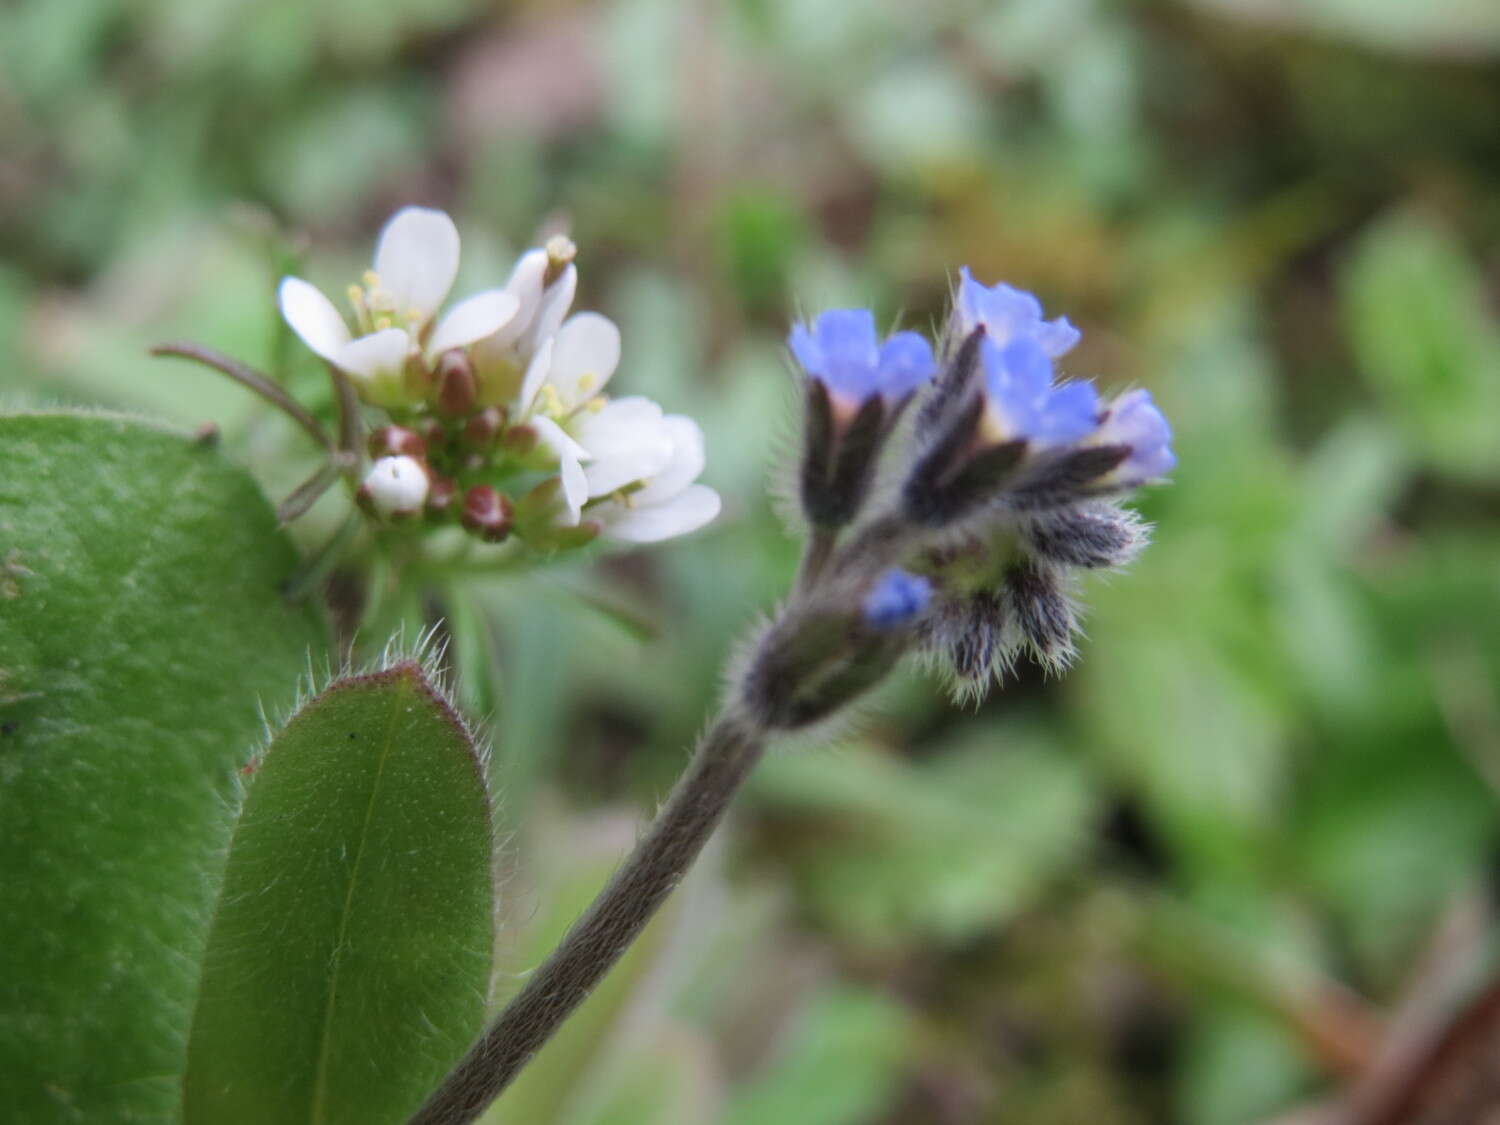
(349, 958)
(142, 630)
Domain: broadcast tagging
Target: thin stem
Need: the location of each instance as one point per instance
(247, 376)
(724, 758)
(815, 555)
(351, 423)
(306, 494)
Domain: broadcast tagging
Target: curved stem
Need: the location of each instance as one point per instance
(247, 376)
(724, 758)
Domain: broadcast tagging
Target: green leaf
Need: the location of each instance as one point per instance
(1424, 337)
(349, 959)
(141, 632)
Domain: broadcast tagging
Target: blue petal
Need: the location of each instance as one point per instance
(896, 598)
(1027, 367)
(1071, 412)
(806, 349)
(905, 364)
(1135, 421)
(1057, 337)
(1005, 311)
(851, 350)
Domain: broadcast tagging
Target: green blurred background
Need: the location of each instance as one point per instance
(1203, 877)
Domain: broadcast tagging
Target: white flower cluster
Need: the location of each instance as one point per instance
(503, 384)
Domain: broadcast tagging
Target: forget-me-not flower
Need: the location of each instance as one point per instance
(843, 352)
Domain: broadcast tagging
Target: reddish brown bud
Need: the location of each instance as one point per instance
(458, 390)
(483, 430)
(397, 441)
(487, 513)
(520, 440)
(442, 497)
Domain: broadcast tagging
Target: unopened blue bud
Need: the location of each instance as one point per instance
(843, 352)
(896, 598)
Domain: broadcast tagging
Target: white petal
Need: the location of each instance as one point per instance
(575, 488)
(588, 351)
(559, 440)
(379, 353)
(620, 424)
(525, 285)
(312, 316)
(683, 468)
(685, 512)
(645, 460)
(556, 301)
(417, 259)
(377, 364)
(536, 374)
(472, 319)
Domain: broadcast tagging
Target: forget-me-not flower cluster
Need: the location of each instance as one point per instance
(1012, 478)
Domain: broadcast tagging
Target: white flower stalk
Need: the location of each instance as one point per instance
(416, 260)
(396, 486)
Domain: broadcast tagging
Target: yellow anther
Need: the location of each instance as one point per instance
(382, 323)
(560, 250)
(595, 404)
(586, 382)
(551, 401)
(371, 279)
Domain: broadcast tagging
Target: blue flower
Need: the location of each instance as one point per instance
(896, 598)
(1023, 402)
(1134, 420)
(1010, 314)
(843, 352)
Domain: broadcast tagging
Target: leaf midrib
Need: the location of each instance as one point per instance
(321, 1075)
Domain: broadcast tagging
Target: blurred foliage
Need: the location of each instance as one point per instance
(1123, 896)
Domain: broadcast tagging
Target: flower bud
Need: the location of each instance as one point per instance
(458, 391)
(1036, 603)
(483, 429)
(442, 497)
(487, 513)
(1097, 535)
(392, 441)
(520, 440)
(896, 599)
(395, 486)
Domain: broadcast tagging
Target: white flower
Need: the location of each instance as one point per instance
(396, 485)
(416, 261)
(502, 357)
(667, 503)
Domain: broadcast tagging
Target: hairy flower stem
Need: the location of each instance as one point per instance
(815, 556)
(724, 758)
